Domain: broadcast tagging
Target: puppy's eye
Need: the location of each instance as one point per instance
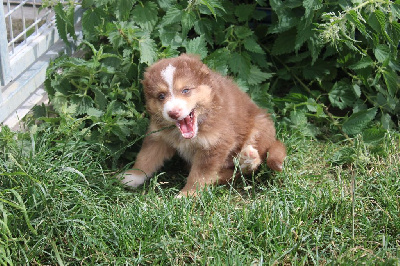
(161, 96)
(185, 91)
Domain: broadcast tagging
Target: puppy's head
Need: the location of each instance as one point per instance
(176, 92)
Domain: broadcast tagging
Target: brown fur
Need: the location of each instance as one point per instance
(229, 125)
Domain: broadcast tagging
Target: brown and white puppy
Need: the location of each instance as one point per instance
(214, 121)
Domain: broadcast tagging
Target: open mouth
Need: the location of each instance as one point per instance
(188, 125)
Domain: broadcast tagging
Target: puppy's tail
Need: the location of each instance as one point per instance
(276, 155)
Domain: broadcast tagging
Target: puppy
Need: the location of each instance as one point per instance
(207, 119)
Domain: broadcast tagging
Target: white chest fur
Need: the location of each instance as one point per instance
(187, 148)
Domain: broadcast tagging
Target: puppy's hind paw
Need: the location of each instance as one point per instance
(132, 178)
(275, 165)
(249, 159)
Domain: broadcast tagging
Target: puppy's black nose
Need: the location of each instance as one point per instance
(174, 114)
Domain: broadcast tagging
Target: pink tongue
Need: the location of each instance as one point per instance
(186, 127)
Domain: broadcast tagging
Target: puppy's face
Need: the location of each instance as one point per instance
(176, 92)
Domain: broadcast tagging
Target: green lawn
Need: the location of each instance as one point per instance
(334, 203)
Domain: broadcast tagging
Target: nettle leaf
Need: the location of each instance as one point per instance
(374, 134)
(382, 53)
(357, 90)
(65, 22)
(145, 15)
(304, 33)
(363, 63)
(165, 4)
(123, 9)
(244, 12)
(359, 121)
(386, 121)
(188, 20)
(353, 16)
(91, 19)
(94, 112)
(204, 26)
(377, 21)
(218, 60)
(100, 99)
(251, 45)
(345, 155)
(240, 64)
(319, 71)
(395, 31)
(284, 43)
(392, 82)
(196, 46)
(148, 50)
(243, 32)
(342, 95)
(82, 102)
(311, 5)
(173, 15)
(170, 36)
(211, 7)
(256, 76)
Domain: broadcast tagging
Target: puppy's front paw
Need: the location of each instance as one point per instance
(132, 178)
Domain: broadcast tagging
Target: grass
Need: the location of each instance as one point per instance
(334, 203)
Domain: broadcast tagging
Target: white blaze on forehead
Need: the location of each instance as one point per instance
(168, 75)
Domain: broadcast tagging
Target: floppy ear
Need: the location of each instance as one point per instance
(204, 69)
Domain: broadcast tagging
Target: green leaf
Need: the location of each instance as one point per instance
(145, 15)
(244, 12)
(100, 99)
(148, 50)
(359, 121)
(256, 76)
(243, 32)
(304, 33)
(218, 61)
(188, 20)
(392, 82)
(342, 95)
(357, 90)
(170, 36)
(353, 16)
(123, 9)
(382, 53)
(311, 5)
(95, 112)
(345, 155)
(386, 121)
(83, 103)
(64, 23)
(374, 134)
(196, 46)
(377, 21)
(284, 43)
(240, 64)
(363, 63)
(212, 6)
(298, 118)
(205, 27)
(91, 19)
(251, 45)
(172, 16)
(395, 32)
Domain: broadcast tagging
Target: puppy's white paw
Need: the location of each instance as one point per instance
(133, 179)
(249, 158)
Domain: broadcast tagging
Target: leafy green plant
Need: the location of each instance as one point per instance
(323, 65)
(342, 57)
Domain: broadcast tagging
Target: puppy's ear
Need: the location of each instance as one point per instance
(204, 69)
